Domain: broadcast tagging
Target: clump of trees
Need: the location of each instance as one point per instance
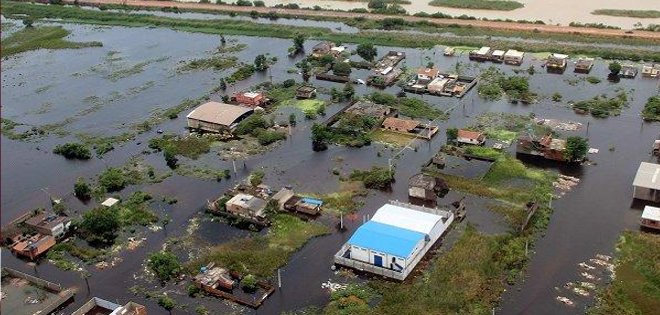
(164, 264)
(249, 283)
(298, 44)
(73, 151)
(367, 51)
(261, 63)
(651, 109)
(99, 226)
(452, 134)
(112, 179)
(256, 178)
(166, 302)
(81, 189)
(341, 69)
(375, 178)
(576, 149)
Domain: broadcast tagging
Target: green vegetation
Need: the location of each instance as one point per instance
(600, 106)
(353, 299)
(615, 68)
(164, 264)
(408, 106)
(350, 130)
(501, 126)
(367, 51)
(401, 39)
(81, 189)
(99, 226)
(576, 149)
(73, 151)
(636, 289)
(135, 210)
(257, 126)
(642, 14)
(651, 109)
(375, 178)
(112, 179)
(249, 283)
(501, 134)
(501, 5)
(487, 153)
(203, 172)
(256, 178)
(341, 69)
(33, 38)
(217, 63)
(494, 84)
(556, 97)
(242, 73)
(166, 302)
(261, 255)
(191, 146)
(593, 80)
(60, 255)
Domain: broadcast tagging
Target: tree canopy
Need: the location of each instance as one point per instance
(576, 149)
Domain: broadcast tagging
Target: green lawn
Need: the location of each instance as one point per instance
(43, 37)
(500, 5)
(641, 14)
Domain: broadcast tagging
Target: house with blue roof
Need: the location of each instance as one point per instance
(394, 240)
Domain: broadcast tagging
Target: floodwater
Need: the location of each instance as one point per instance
(585, 222)
(552, 12)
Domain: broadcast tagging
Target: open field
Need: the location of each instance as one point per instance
(641, 14)
(47, 37)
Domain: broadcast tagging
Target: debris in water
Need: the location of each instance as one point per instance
(585, 266)
(588, 276)
(604, 257)
(332, 286)
(557, 124)
(565, 300)
(581, 292)
(588, 285)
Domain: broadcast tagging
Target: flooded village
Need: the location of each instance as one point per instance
(187, 162)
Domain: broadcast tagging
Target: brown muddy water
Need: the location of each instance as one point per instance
(50, 87)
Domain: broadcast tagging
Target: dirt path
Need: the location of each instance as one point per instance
(335, 14)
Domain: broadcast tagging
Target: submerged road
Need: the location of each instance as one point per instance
(512, 26)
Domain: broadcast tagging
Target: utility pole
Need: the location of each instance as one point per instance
(279, 278)
(341, 221)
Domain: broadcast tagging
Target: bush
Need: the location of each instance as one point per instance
(376, 178)
(170, 158)
(341, 68)
(367, 51)
(452, 134)
(651, 109)
(243, 3)
(166, 302)
(256, 178)
(73, 151)
(112, 179)
(99, 226)
(164, 264)
(614, 68)
(81, 189)
(250, 124)
(266, 137)
(193, 290)
(249, 283)
(288, 83)
(576, 148)
(258, 3)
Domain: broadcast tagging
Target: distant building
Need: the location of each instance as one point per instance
(470, 137)
(646, 185)
(248, 206)
(651, 70)
(49, 224)
(98, 306)
(250, 99)
(32, 246)
(321, 49)
(513, 57)
(584, 65)
(289, 201)
(547, 147)
(394, 240)
(427, 74)
(400, 124)
(215, 278)
(482, 54)
(497, 56)
(650, 218)
(217, 117)
(367, 108)
(628, 71)
(556, 62)
(283, 196)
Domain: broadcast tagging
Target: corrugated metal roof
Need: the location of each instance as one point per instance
(313, 201)
(651, 213)
(386, 238)
(406, 218)
(218, 113)
(648, 176)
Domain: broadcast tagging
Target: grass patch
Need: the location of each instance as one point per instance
(345, 200)
(306, 106)
(484, 152)
(408, 106)
(44, 37)
(504, 126)
(593, 80)
(602, 106)
(191, 146)
(136, 210)
(202, 172)
(500, 5)
(132, 70)
(503, 135)
(636, 289)
(642, 14)
(242, 73)
(375, 178)
(262, 255)
(651, 109)
(217, 63)
(393, 138)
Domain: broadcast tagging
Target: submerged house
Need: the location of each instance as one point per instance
(650, 218)
(513, 57)
(247, 206)
(546, 147)
(556, 63)
(628, 71)
(425, 187)
(217, 117)
(306, 91)
(321, 49)
(481, 54)
(31, 246)
(470, 137)
(371, 109)
(98, 306)
(427, 74)
(250, 99)
(651, 70)
(49, 224)
(584, 65)
(646, 185)
(394, 240)
(497, 56)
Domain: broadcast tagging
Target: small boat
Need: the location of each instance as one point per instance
(449, 51)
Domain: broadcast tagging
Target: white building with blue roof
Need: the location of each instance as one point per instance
(394, 240)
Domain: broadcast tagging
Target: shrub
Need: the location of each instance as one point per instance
(452, 134)
(249, 283)
(367, 51)
(266, 137)
(166, 302)
(258, 3)
(576, 148)
(73, 151)
(341, 68)
(81, 189)
(193, 290)
(256, 178)
(99, 226)
(288, 83)
(164, 264)
(651, 109)
(376, 178)
(112, 179)
(243, 3)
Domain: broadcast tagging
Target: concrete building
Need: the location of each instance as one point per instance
(49, 224)
(425, 187)
(651, 70)
(217, 117)
(646, 185)
(394, 240)
(584, 65)
(470, 137)
(32, 246)
(98, 306)
(556, 63)
(513, 57)
(427, 74)
(321, 49)
(650, 218)
(250, 99)
(497, 56)
(248, 206)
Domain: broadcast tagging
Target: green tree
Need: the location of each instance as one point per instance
(299, 42)
(81, 189)
(377, 4)
(367, 51)
(452, 134)
(112, 179)
(166, 302)
(261, 63)
(73, 151)
(256, 178)
(576, 149)
(349, 91)
(292, 119)
(615, 68)
(249, 283)
(170, 158)
(341, 68)
(99, 226)
(164, 264)
(320, 137)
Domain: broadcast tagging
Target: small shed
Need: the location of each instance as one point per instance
(427, 74)
(497, 56)
(217, 117)
(628, 71)
(556, 62)
(110, 202)
(470, 137)
(425, 187)
(650, 218)
(283, 196)
(321, 49)
(646, 185)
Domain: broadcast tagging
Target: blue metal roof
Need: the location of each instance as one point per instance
(386, 238)
(313, 201)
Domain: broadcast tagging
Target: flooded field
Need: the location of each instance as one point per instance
(107, 91)
(551, 12)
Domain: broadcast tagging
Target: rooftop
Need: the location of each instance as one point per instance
(386, 238)
(47, 220)
(110, 202)
(483, 50)
(651, 213)
(514, 53)
(469, 134)
(423, 181)
(248, 202)
(648, 176)
(218, 113)
(431, 72)
(407, 218)
(368, 108)
(400, 124)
